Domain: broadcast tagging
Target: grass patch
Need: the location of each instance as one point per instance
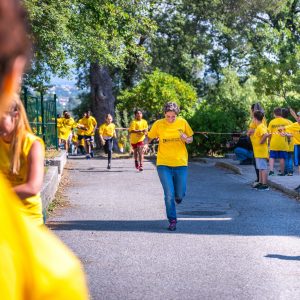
(60, 200)
(51, 153)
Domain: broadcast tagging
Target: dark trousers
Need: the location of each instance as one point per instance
(108, 148)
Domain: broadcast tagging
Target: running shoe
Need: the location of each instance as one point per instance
(178, 200)
(262, 187)
(136, 163)
(88, 157)
(141, 168)
(172, 225)
(108, 167)
(271, 173)
(290, 174)
(255, 184)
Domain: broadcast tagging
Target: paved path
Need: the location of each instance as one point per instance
(232, 242)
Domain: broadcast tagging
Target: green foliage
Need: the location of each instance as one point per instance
(227, 110)
(51, 37)
(84, 105)
(156, 89)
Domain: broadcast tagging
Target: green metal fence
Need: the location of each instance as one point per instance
(41, 113)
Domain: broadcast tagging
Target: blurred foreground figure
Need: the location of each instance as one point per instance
(34, 264)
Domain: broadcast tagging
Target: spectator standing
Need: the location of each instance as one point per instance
(251, 130)
(260, 147)
(288, 165)
(278, 143)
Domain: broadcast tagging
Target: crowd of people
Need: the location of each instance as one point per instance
(277, 140)
(172, 132)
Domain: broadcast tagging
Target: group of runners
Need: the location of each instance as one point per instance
(172, 132)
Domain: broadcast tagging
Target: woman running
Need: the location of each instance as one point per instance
(107, 131)
(172, 158)
(22, 158)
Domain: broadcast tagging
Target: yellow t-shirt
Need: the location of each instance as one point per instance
(67, 126)
(278, 142)
(290, 139)
(79, 130)
(89, 123)
(294, 129)
(34, 264)
(107, 130)
(94, 123)
(33, 205)
(137, 125)
(172, 150)
(60, 128)
(260, 150)
(253, 125)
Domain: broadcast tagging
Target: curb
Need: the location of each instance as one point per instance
(271, 183)
(283, 189)
(224, 165)
(52, 179)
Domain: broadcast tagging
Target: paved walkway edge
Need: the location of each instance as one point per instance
(280, 187)
(52, 179)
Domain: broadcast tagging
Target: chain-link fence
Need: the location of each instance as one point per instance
(41, 113)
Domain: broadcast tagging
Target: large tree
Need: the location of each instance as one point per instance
(107, 37)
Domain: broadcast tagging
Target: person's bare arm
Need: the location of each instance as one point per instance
(35, 173)
(293, 114)
(264, 137)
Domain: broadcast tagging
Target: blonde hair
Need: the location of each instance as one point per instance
(19, 133)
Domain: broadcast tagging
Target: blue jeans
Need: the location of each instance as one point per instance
(288, 168)
(173, 180)
(243, 154)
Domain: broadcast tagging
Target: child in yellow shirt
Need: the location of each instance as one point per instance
(22, 159)
(260, 149)
(278, 144)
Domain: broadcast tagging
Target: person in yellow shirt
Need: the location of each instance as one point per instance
(22, 159)
(68, 124)
(172, 158)
(94, 122)
(88, 124)
(107, 131)
(138, 129)
(260, 149)
(293, 130)
(59, 125)
(278, 143)
(250, 132)
(288, 166)
(80, 133)
(34, 264)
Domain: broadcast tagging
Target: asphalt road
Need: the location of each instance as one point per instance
(232, 242)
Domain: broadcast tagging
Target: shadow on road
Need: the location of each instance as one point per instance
(196, 226)
(283, 257)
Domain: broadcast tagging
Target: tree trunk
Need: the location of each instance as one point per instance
(103, 100)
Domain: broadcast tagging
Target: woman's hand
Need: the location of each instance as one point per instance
(185, 138)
